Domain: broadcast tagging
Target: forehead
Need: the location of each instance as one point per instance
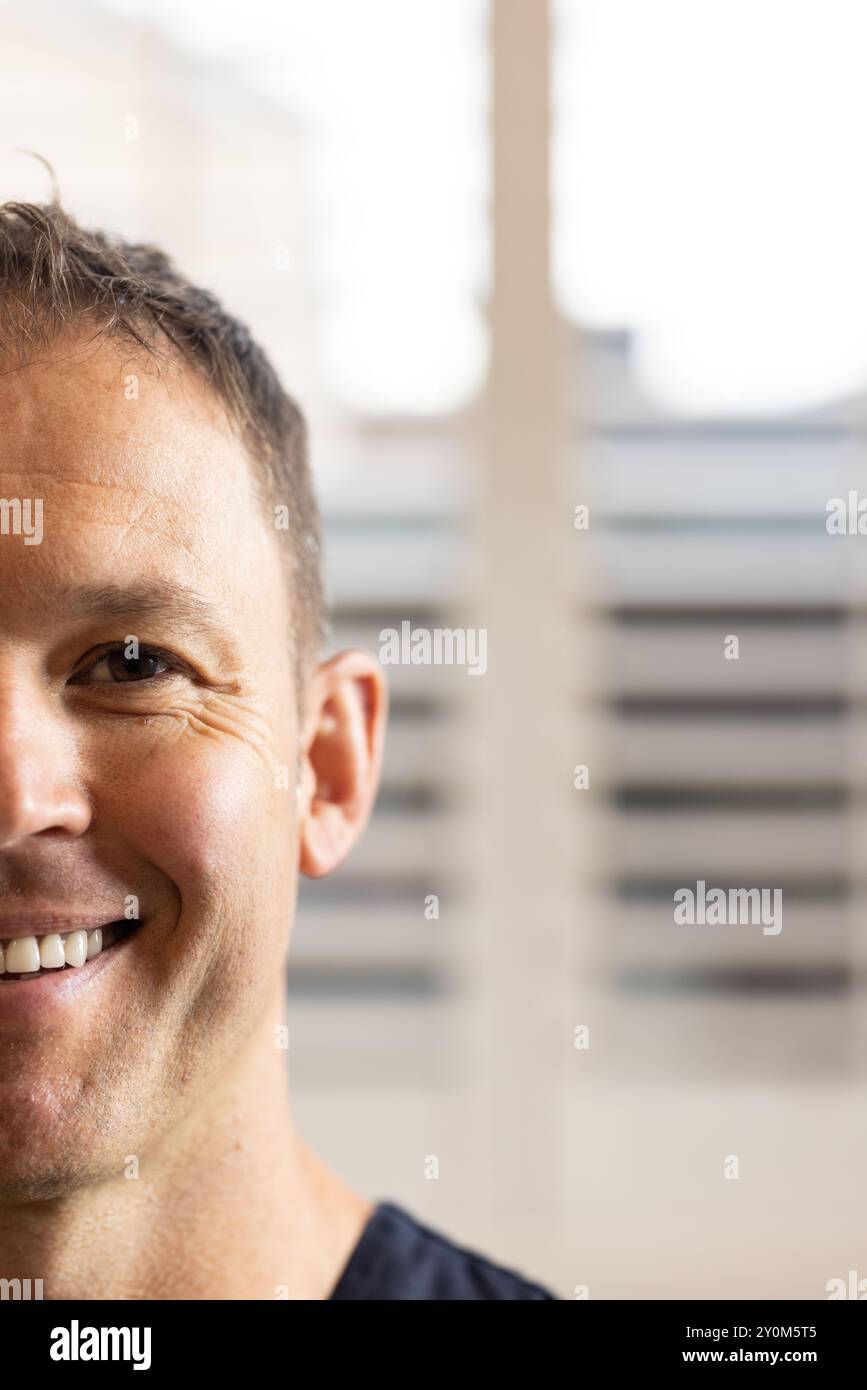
(139, 474)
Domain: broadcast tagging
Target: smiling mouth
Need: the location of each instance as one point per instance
(28, 957)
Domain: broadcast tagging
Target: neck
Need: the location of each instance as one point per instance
(231, 1205)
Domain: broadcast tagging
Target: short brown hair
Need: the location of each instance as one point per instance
(53, 271)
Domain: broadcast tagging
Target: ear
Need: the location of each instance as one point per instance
(344, 730)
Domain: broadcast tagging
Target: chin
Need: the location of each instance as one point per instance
(50, 1145)
(38, 1176)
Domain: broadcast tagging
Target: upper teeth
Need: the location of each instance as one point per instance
(29, 953)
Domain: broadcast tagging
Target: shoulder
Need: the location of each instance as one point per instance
(399, 1257)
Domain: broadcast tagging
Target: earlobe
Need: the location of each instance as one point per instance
(342, 759)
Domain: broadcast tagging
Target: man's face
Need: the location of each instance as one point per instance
(165, 787)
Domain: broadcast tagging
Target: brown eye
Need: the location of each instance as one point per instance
(116, 668)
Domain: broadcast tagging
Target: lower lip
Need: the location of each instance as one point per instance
(32, 999)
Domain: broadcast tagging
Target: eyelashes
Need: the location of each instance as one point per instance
(112, 668)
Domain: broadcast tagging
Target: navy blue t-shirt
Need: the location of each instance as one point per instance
(398, 1257)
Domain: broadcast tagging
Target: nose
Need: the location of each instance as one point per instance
(39, 789)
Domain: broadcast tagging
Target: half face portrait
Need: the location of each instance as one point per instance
(174, 754)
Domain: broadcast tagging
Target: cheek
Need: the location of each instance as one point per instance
(214, 821)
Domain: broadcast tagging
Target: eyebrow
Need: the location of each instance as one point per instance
(153, 598)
